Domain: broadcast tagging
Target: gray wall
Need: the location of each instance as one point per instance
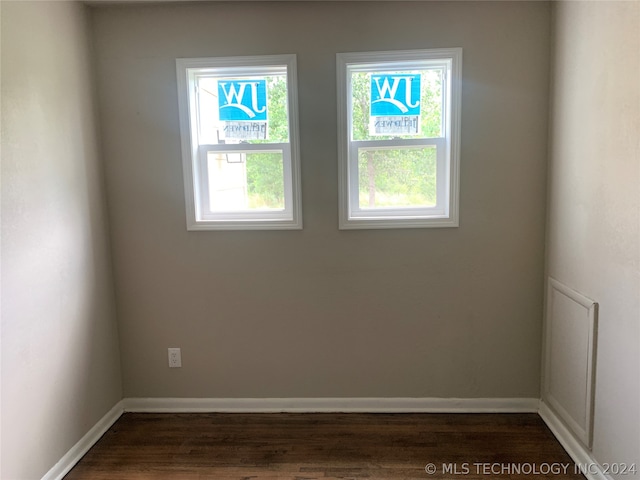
(322, 312)
(60, 358)
(594, 200)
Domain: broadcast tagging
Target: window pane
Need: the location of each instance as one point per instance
(245, 181)
(399, 177)
(405, 104)
(243, 109)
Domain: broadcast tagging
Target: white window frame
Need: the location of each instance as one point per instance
(445, 213)
(194, 155)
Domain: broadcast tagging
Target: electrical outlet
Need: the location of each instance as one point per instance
(175, 358)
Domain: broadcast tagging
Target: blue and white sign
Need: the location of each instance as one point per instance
(395, 104)
(242, 100)
(395, 95)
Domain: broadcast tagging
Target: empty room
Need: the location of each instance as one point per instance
(320, 239)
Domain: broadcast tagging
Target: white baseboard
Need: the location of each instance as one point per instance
(577, 451)
(73, 456)
(365, 405)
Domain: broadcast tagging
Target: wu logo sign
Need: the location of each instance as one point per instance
(395, 95)
(242, 100)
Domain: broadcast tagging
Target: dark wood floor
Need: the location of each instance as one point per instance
(313, 446)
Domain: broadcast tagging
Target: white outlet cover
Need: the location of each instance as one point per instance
(175, 358)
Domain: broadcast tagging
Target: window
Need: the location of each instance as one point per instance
(398, 138)
(238, 120)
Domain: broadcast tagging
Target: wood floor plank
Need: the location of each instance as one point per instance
(324, 446)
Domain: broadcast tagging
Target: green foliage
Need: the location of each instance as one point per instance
(265, 180)
(387, 177)
(277, 109)
(397, 177)
(265, 172)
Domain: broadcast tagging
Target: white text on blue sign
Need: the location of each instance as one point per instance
(242, 100)
(395, 95)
